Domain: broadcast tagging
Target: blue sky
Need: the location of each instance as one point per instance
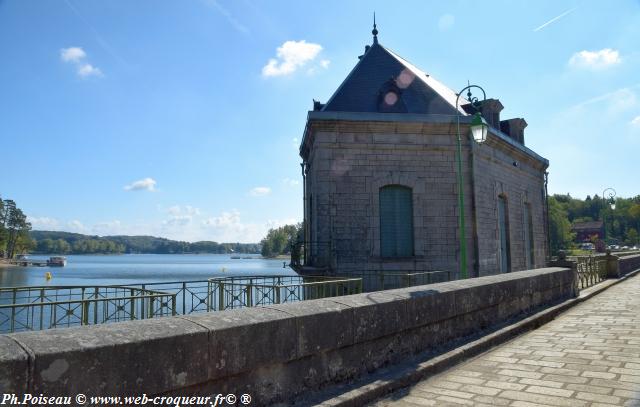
(182, 119)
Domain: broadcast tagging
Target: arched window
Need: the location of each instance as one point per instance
(396, 221)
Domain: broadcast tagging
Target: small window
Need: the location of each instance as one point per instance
(396, 221)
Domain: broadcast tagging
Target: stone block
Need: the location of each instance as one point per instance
(245, 339)
(321, 325)
(14, 367)
(150, 356)
(375, 315)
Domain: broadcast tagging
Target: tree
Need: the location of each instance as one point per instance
(279, 241)
(559, 226)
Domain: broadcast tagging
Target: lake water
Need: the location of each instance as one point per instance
(140, 268)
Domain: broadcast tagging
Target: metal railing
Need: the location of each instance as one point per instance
(239, 292)
(191, 296)
(591, 270)
(37, 308)
(374, 280)
(44, 307)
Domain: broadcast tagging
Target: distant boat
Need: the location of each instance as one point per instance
(57, 261)
(235, 257)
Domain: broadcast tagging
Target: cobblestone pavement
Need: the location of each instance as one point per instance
(588, 356)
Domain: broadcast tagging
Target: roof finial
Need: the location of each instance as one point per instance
(375, 30)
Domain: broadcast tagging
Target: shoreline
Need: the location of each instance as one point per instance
(5, 263)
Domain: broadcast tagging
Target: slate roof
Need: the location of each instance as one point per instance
(379, 71)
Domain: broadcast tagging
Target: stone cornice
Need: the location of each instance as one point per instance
(404, 123)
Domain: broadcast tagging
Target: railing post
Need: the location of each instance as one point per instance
(221, 306)
(249, 297)
(184, 300)
(151, 301)
(173, 304)
(13, 311)
(41, 307)
(85, 310)
(95, 306)
(132, 305)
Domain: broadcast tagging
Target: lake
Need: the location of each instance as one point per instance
(140, 268)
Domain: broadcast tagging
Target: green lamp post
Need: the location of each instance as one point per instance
(479, 134)
(608, 195)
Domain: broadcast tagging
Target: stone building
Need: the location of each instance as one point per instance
(380, 178)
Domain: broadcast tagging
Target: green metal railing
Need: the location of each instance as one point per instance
(591, 270)
(374, 280)
(239, 292)
(37, 308)
(191, 296)
(44, 307)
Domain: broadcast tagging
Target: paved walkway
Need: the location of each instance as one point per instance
(588, 356)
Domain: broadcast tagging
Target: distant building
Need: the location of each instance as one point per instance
(586, 230)
(380, 180)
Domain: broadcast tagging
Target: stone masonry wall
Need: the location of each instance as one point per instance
(350, 161)
(273, 353)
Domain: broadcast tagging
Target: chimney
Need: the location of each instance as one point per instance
(490, 111)
(514, 128)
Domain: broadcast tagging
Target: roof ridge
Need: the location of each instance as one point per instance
(368, 49)
(448, 94)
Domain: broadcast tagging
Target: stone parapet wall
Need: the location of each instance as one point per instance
(274, 353)
(628, 264)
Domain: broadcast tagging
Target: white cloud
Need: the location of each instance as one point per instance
(595, 59)
(290, 182)
(72, 54)
(178, 220)
(145, 184)
(186, 210)
(291, 56)
(325, 63)
(446, 21)
(636, 121)
(260, 191)
(76, 226)
(77, 57)
(43, 223)
(86, 70)
(226, 219)
(229, 227)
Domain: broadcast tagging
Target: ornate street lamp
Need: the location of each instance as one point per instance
(608, 195)
(479, 133)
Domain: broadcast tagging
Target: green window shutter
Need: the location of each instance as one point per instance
(396, 221)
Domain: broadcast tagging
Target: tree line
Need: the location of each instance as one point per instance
(622, 224)
(49, 242)
(14, 230)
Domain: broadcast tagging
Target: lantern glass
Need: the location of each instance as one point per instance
(479, 128)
